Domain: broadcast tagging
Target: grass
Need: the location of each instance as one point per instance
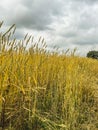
(40, 90)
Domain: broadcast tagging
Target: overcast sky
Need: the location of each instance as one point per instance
(64, 23)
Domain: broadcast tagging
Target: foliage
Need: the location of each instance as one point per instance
(92, 54)
(40, 90)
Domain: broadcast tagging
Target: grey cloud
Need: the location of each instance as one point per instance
(86, 1)
(89, 18)
(35, 14)
(67, 23)
(81, 37)
(82, 25)
(19, 34)
(84, 40)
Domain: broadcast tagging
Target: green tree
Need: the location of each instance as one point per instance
(92, 54)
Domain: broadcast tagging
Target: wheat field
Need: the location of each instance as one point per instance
(42, 90)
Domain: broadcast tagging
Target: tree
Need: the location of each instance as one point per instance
(92, 54)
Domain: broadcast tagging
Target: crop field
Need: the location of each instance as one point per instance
(42, 90)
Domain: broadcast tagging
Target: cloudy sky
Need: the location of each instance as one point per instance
(64, 23)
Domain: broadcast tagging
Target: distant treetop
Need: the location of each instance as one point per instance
(92, 54)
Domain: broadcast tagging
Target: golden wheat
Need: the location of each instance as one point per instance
(45, 91)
